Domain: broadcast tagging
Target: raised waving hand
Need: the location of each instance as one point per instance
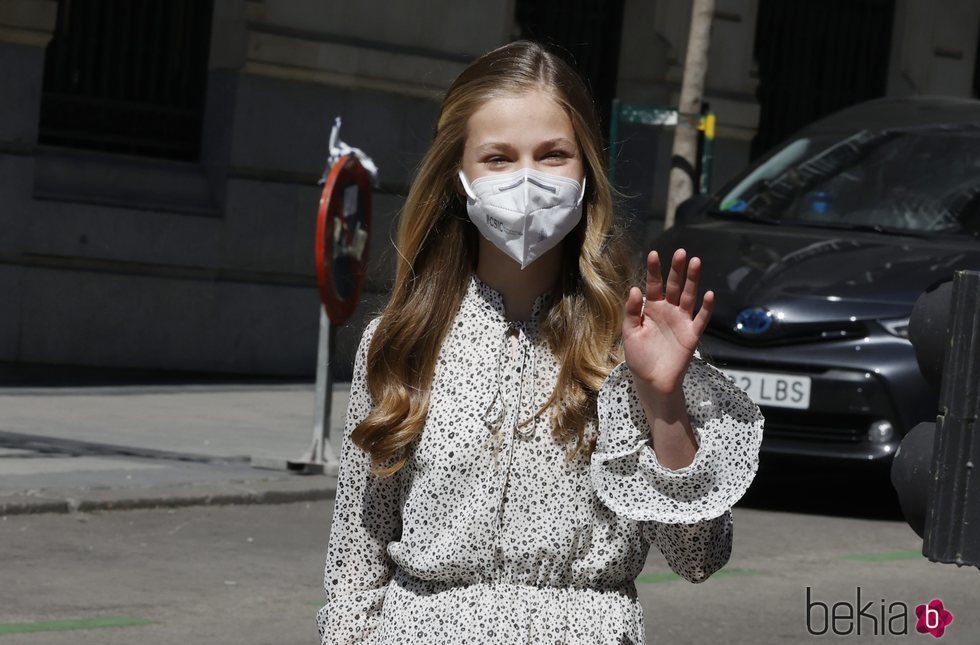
(661, 334)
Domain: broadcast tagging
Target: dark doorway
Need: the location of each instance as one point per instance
(816, 57)
(586, 33)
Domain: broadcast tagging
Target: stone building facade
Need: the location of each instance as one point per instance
(112, 257)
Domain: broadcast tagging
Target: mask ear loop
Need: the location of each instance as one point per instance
(466, 187)
(581, 195)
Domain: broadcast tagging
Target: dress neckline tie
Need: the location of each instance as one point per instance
(525, 377)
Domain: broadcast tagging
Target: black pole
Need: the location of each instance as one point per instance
(952, 527)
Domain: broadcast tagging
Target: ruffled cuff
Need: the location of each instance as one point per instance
(630, 480)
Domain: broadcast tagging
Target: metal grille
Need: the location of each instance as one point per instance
(587, 33)
(816, 426)
(127, 76)
(792, 334)
(976, 68)
(816, 57)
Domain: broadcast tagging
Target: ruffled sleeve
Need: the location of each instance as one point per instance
(630, 480)
(366, 517)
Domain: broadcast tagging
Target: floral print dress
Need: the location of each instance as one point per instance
(487, 536)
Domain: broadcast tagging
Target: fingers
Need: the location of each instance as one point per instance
(675, 279)
(704, 315)
(634, 307)
(655, 278)
(681, 290)
(689, 295)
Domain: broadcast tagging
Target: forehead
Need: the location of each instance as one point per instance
(518, 118)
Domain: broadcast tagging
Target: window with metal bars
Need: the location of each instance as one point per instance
(976, 68)
(816, 57)
(127, 76)
(586, 33)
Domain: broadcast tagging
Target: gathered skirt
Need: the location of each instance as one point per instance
(424, 611)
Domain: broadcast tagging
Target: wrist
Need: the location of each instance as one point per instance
(671, 436)
(655, 391)
(659, 403)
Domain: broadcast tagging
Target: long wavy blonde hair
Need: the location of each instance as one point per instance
(438, 248)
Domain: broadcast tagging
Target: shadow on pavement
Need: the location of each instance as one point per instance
(861, 490)
(19, 375)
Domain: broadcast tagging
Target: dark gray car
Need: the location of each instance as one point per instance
(817, 254)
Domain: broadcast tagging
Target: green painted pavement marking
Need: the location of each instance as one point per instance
(67, 625)
(669, 576)
(885, 556)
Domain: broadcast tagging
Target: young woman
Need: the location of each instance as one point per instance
(523, 423)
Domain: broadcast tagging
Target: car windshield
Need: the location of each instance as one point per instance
(916, 181)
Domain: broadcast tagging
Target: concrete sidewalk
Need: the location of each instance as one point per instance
(113, 447)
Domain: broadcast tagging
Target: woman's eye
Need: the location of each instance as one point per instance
(495, 161)
(557, 154)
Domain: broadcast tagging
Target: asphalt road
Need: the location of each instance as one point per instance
(252, 574)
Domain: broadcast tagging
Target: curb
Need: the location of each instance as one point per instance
(301, 488)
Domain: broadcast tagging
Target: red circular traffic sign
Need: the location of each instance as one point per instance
(343, 227)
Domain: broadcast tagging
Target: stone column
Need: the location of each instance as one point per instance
(26, 27)
(933, 47)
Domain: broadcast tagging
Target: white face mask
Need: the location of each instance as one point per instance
(524, 213)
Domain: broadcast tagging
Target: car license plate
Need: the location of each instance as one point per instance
(777, 390)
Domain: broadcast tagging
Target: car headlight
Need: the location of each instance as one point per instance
(899, 327)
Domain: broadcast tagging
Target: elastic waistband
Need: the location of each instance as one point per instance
(423, 586)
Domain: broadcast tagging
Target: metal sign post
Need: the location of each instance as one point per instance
(320, 457)
(342, 233)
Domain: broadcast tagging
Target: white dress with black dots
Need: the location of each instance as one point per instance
(486, 536)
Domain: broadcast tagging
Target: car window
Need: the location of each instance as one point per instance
(924, 180)
(758, 180)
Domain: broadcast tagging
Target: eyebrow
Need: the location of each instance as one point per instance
(493, 145)
(558, 141)
(498, 145)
